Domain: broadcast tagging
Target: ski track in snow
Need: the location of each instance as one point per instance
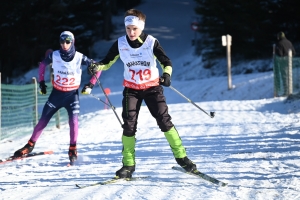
(254, 150)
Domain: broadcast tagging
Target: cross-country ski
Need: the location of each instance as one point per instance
(12, 158)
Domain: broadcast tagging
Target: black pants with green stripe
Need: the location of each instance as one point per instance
(156, 103)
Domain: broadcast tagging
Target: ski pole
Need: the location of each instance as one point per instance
(100, 85)
(212, 114)
(111, 106)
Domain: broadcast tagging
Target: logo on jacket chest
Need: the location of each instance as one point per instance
(134, 55)
(136, 63)
(65, 72)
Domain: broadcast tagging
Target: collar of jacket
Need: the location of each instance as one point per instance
(136, 43)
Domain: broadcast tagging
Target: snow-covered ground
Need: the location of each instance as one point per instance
(252, 143)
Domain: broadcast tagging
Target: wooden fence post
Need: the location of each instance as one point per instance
(226, 41)
(290, 73)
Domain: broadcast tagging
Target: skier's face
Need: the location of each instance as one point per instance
(65, 46)
(133, 32)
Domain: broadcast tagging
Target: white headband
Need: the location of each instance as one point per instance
(133, 20)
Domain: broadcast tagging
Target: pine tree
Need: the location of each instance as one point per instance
(252, 24)
(29, 28)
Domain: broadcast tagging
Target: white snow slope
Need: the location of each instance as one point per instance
(252, 143)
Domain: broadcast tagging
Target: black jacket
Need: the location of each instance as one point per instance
(283, 46)
(157, 50)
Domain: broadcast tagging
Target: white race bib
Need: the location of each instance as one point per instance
(67, 75)
(140, 71)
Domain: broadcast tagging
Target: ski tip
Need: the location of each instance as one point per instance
(48, 152)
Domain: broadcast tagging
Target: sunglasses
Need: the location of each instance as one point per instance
(65, 41)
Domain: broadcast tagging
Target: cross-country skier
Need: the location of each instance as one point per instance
(139, 52)
(66, 65)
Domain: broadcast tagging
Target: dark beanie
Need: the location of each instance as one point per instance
(280, 35)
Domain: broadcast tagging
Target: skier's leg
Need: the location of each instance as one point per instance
(159, 110)
(48, 111)
(131, 107)
(73, 108)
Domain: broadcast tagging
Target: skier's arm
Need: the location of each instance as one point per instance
(110, 58)
(88, 62)
(43, 65)
(162, 58)
(105, 64)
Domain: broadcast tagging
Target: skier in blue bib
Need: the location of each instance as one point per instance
(66, 65)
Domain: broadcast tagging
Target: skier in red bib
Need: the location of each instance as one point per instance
(142, 82)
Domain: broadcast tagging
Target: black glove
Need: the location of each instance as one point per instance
(43, 87)
(87, 89)
(165, 80)
(93, 68)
